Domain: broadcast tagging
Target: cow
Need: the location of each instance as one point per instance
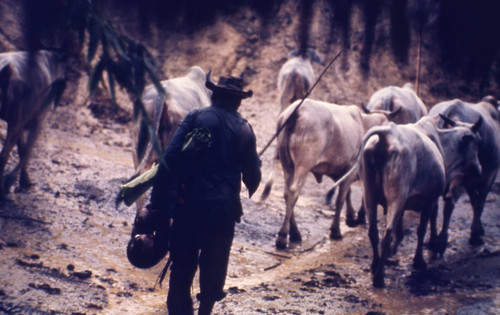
(165, 112)
(29, 82)
(296, 76)
(476, 185)
(391, 97)
(295, 79)
(408, 167)
(315, 140)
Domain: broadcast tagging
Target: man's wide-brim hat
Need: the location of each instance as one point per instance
(229, 85)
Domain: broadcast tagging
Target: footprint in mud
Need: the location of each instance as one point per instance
(427, 282)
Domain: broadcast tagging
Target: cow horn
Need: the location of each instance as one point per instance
(208, 83)
(395, 112)
(365, 109)
(448, 120)
(242, 74)
(477, 125)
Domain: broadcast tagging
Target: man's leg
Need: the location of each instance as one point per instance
(214, 259)
(184, 255)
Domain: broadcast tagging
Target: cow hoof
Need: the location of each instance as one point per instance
(296, 238)
(361, 220)
(351, 222)
(476, 240)
(335, 235)
(280, 243)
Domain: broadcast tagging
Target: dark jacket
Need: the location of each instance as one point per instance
(214, 174)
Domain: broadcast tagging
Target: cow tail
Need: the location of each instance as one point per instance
(270, 179)
(290, 126)
(379, 131)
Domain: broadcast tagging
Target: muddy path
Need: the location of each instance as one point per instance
(62, 247)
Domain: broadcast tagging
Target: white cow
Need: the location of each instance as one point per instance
(477, 185)
(408, 167)
(28, 83)
(391, 97)
(321, 138)
(296, 76)
(183, 94)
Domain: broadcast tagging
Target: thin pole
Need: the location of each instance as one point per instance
(297, 107)
(417, 83)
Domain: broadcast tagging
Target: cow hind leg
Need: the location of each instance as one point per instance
(24, 180)
(24, 148)
(398, 236)
(478, 199)
(395, 215)
(24, 157)
(13, 132)
(418, 259)
(335, 228)
(350, 219)
(293, 184)
(295, 236)
(361, 220)
(439, 246)
(373, 234)
(379, 273)
(281, 239)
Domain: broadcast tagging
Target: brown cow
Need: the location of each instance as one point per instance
(408, 167)
(323, 139)
(476, 185)
(28, 84)
(183, 94)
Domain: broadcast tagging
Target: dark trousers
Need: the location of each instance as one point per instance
(201, 236)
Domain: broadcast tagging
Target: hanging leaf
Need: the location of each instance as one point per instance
(94, 37)
(96, 76)
(139, 80)
(154, 77)
(111, 82)
(54, 93)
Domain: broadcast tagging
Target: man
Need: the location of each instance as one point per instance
(206, 181)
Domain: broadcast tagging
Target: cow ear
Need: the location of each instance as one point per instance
(477, 125)
(448, 120)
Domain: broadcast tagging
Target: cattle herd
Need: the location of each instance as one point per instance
(405, 157)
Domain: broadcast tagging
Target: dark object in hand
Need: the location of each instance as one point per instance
(148, 244)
